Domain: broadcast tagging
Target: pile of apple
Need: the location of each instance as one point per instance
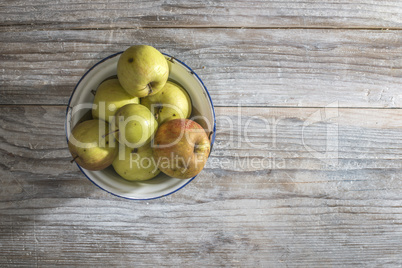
(140, 123)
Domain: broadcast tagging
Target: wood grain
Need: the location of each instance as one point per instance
(306, 166)
(304, 212)
(253, 67)
(63, 14)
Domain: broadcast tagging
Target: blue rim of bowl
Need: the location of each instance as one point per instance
(192, 72)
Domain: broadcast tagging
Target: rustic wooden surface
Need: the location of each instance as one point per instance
(291, 80)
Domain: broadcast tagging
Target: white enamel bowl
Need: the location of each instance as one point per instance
(79, 107)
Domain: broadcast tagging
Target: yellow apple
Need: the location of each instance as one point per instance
(133, 125)
(171, 102)
(90, 145)
(136, 164)
(142, 70)
(109, 97)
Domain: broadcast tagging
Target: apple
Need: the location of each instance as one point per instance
(109, 97)
(171, 102)
(142, 70)
(133, 125)
(90, 145)
(135, 164)
(181, 148)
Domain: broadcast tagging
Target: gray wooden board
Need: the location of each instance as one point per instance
(63, 14)
(301, 211)
(252, 67)
(307, 163)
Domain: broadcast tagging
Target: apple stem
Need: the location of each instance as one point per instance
(150, 89)
(158, 110)
(93, 92)
(103, 136)
(74, 158)
(210, 134)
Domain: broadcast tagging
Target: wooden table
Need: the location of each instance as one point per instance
(307, 164)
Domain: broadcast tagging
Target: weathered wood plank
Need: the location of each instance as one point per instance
(368, 143)
(284, 186)
(327, 147)
(286, 232)
(254, 67)
(63, 14)
(304, 212)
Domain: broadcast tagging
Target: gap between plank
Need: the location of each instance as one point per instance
(3, 28)
(225, 106)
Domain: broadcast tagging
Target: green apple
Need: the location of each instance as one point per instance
(171, 102)
(134, 125)
(135, 164)
(142, 70)
(90, 145)
(109, 97)
(181, 148)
